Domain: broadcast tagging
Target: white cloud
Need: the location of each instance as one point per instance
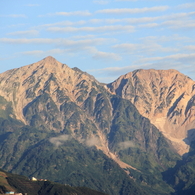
(32, 5)
(115, 28)
(44, 53)
(58, 141)
(149, 47)
(173, 37)
(106, 79)
(101, 2)
(186, 6)
(60, 41)
(190, 47)
(24, 33)
(127, 20)
(83, 37)
(114, 71)
(140, 20)
(68, 47)
(181, 62)
(178, 15)
(75, 13)
(99, 55)
(126, 144)
(15, 25)
(34, 53)
(179, 24)
(14, 16)
(149, 25)
(180, 58)
(174, 16)
(127, 0)
(27, 41)
(63, 23)
(136, 0)
(93, 141)
(173, 21)
(133, 10)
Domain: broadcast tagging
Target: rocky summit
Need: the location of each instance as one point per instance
(61, 124)
(21, 85)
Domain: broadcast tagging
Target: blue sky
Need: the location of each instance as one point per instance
(106, 38)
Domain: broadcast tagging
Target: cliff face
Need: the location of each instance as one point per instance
(166, 97)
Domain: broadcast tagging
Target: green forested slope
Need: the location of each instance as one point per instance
(62, 158)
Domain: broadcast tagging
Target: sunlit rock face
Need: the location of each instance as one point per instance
(22, 85)
(166, 97)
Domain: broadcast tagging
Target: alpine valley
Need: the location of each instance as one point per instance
(135, 136)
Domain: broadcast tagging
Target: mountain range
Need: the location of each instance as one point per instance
(132, 136)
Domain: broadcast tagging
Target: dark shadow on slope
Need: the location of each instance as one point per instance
(120, 87)
(179, 176)
(4, 136)
(25, 109)
(171, 109)
(190, 137)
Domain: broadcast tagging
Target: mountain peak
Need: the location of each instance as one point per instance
(149, 72)
(165, 97)
(49, 59)
(48, 75)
